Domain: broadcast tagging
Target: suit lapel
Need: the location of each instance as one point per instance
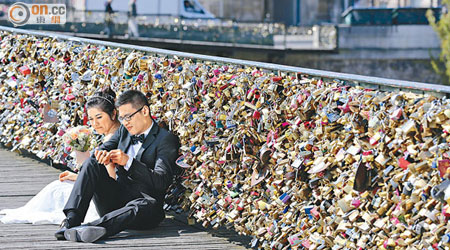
(148, 140)
(126, 142)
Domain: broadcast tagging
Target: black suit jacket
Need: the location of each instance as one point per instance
(153, 167)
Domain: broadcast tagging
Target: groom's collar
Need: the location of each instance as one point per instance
(149, 129)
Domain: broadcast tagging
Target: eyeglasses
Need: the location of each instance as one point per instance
(128, 117)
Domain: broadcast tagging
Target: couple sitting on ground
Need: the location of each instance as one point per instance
(127, 176)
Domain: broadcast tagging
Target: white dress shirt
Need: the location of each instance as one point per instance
(134, 149)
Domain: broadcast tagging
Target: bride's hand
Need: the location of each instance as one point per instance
(102, 156)
(67, 175)
(111, 169)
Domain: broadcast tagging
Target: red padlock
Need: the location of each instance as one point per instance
(25, 70)
(256, 115)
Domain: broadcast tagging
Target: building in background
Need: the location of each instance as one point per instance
(289, 12)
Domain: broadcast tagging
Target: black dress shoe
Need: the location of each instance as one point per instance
(85, 233)
(62, 228)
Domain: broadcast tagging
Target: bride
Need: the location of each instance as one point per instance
(47, 206)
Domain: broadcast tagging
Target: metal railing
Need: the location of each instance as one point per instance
(267, 35)
(394, 4)
(349, 79)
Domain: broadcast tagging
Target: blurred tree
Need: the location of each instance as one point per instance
(442, 27)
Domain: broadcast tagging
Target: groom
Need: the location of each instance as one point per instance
(144, 155)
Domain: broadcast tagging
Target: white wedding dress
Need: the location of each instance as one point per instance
(46, 207)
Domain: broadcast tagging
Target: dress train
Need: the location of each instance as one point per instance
(46, 207)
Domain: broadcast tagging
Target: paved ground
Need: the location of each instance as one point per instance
(21, 178)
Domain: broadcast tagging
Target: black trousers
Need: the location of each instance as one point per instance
(121, 203)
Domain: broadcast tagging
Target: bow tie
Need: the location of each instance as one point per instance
(135, 139)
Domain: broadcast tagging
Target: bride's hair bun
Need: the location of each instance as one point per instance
(104, 100)
(107, 92)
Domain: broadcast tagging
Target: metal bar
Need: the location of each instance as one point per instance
(382, 83)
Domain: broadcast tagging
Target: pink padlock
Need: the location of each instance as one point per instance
(69, 97)
(356, 203)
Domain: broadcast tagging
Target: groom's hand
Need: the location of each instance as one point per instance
(103, 157)
(118, 157)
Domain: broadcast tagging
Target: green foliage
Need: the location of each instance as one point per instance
(442, 28)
